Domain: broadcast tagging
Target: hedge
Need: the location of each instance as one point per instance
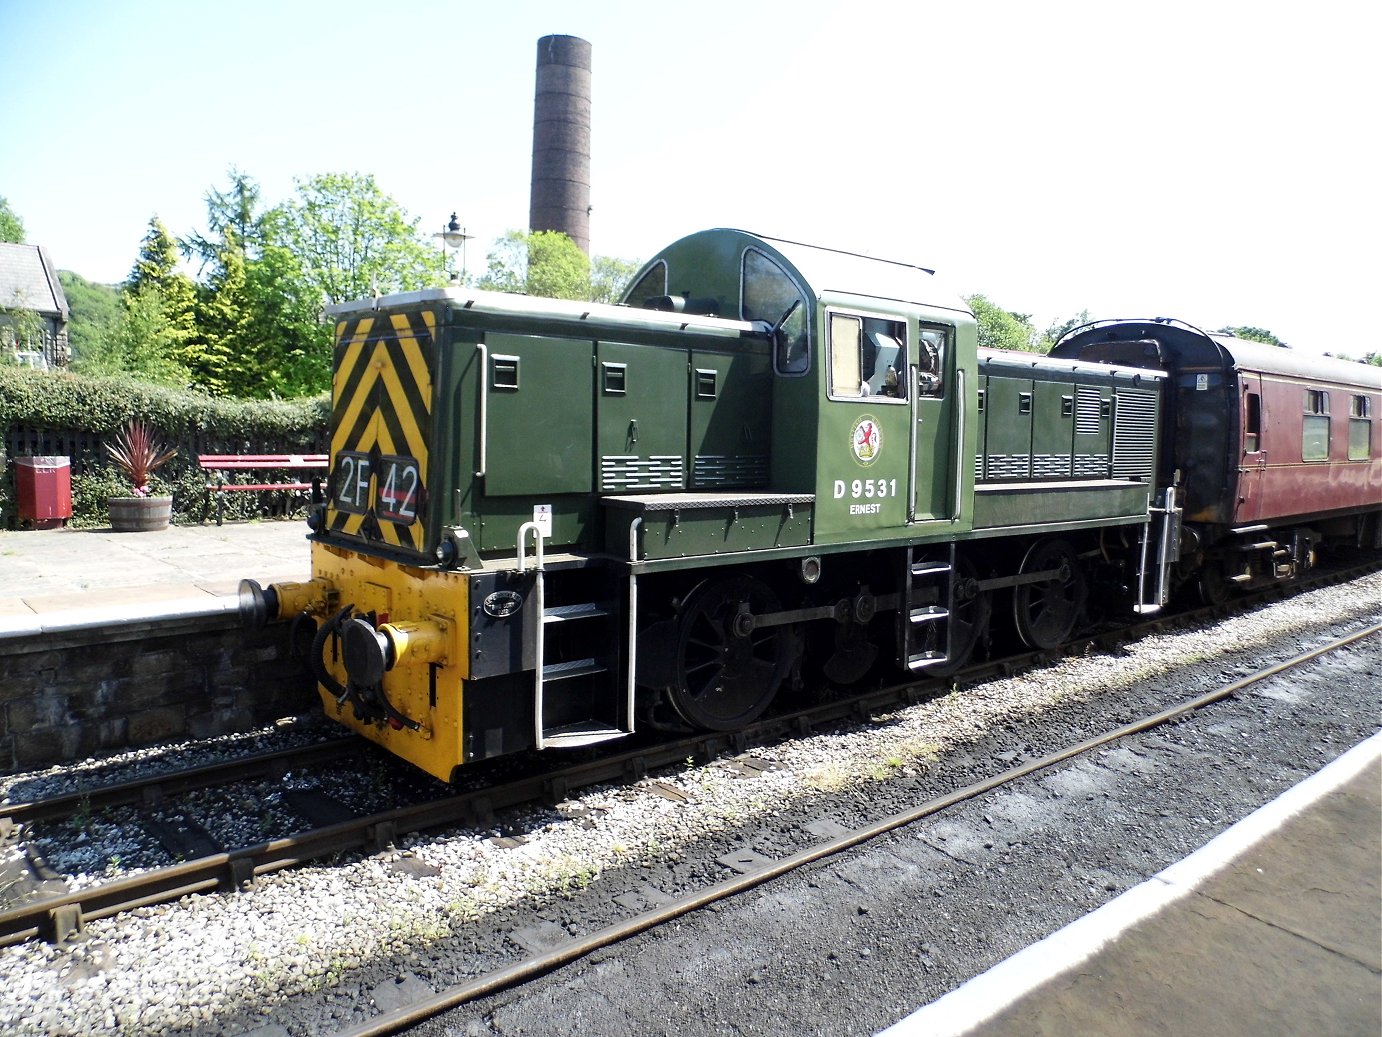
(56, 413)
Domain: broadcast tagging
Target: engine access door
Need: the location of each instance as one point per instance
(641, 408)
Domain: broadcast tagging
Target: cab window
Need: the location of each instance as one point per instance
(868, 357)
(931, 350)
(652, 285)
(768, 294)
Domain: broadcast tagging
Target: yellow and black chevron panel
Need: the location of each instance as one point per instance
(381, 424)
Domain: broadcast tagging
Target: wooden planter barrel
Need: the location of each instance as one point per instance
(140, 514)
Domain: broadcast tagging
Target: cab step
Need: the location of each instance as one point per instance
(572, 613)
(574, 736)
(572, 668)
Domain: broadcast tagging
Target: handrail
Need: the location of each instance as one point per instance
(961, 403)
(483, 350)
(523, 531)
(633, 624)
(913, 373)
(540, 608)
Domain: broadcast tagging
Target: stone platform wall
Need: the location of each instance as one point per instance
(72, 697)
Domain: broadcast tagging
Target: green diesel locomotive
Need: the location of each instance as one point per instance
(548, 523)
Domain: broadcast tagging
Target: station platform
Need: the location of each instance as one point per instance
(1272, 929)
(60, 578)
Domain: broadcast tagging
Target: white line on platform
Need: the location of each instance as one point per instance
(984, 996)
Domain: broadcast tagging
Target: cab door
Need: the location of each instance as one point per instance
(866, 428)
(935, 459)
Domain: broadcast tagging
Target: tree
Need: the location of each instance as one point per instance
(353, 240)
(236, 210)
(93, 311)
(143, 342)
(11, 226)
(156, 271)
(609, 277)
(158, 258)
(1253, 335)
(227, 350)
(291, 336)
(258, 315)
(545, 263)
(1056, 332)
(1002, 329)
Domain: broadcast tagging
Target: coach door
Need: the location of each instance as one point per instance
(1252, 462)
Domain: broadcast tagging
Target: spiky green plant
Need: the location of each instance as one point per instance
(137, 453)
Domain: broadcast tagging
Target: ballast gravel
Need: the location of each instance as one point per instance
(318, 948)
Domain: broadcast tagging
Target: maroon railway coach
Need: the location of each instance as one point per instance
(1275, 451)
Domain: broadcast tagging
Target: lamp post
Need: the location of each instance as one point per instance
(454, 237)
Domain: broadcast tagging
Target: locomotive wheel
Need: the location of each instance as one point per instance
(970, 611)
(1046, 612)
(726, 675)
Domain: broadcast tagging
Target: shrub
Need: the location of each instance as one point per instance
(77, 416)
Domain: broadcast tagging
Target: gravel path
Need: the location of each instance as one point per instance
(308, 951)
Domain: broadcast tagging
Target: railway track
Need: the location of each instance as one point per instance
(57, 916)
(763, 871)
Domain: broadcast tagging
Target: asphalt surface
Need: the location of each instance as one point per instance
(857, 943)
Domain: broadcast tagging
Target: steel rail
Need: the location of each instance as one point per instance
(58, 916)
(540, 964)
(151, 789)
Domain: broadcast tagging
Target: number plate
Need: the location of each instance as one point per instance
(388, 485)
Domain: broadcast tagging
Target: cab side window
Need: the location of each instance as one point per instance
(652, 285)
(931, 349)
(868, 357)
(768, 294)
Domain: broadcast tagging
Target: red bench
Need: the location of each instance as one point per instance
(218, 465)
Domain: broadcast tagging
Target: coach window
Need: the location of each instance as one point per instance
(1314, 445)
(768, 294)
(1360, 428)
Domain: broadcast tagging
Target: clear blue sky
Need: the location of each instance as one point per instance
(1207, 160)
